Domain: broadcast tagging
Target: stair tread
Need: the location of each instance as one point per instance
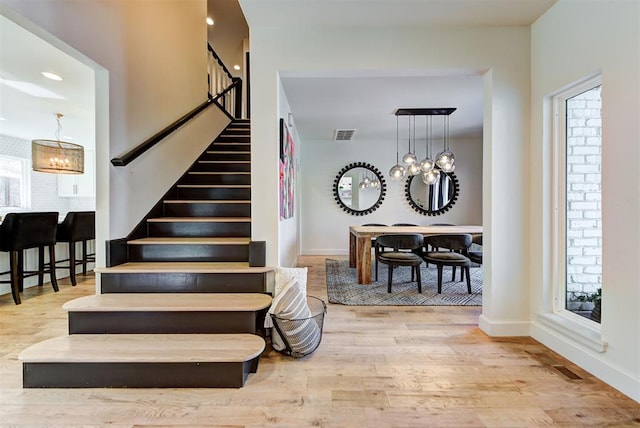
(169, 302)
(219, 173)
(185, 267)
(145, 348)
(207, 201)
(199, 220)
(190, 240)
(214, 186)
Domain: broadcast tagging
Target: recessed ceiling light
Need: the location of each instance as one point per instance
(236, 67)
(51, 76)
(209, 21)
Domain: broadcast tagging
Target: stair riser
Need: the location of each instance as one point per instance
(218, 179)
(179, 282)
(168, 322)
(215, 194)
(231, 147)
(188, 253)
(227, 229)
(214, 155)
(207, 210)
(235, 138)
(190, 374)
(236, 130)
(224, 166)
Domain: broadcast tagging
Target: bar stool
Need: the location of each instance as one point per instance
(21, 231)
(77, 226)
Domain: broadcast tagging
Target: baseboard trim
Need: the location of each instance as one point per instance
(504, 328)
(588, 359)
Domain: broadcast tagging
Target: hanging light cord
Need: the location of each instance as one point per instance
(58, 117)
(397, 137)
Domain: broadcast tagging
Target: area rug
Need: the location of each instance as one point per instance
(343, 288)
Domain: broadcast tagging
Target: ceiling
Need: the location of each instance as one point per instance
(29, 101)
(324, 101)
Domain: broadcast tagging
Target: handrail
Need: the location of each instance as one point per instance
(234, 83)
(215, 55)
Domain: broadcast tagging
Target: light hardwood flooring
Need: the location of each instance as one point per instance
(376, 367)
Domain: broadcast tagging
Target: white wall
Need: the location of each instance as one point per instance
(151, 68)
(503, 54)
(324, 225)
(572, 41)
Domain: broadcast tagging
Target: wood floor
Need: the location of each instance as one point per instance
(376, 367)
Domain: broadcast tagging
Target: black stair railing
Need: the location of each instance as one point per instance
(228, 97)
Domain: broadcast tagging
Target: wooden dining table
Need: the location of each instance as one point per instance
(360, 242)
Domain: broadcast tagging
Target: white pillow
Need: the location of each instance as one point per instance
(285, 275)
(303, 333)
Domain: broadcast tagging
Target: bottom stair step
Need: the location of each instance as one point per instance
(142, 361)
(167, 313)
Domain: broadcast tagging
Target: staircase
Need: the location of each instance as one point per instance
(192, 283)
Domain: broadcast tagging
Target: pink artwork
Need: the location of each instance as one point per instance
(287, 172)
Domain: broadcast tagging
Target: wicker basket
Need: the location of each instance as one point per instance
(302, 336)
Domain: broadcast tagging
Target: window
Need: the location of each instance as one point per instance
(13, 183)
(578, 149)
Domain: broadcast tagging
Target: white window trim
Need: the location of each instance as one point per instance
(563, 321)
(26, 191)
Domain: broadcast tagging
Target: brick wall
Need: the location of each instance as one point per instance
(584, 206)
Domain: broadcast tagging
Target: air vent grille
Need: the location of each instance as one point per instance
(343, 134)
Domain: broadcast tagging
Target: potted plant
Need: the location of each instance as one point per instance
(596, 298)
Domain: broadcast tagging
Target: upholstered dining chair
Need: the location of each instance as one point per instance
(77, 226)
(21, 231)
(400, 250)
(476, 255)
(453, 249)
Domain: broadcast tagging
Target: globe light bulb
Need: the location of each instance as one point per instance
(397, 172)
(426, 165)
(409, 159)
(431, 177)
(413, 169)
(444, 158)
(367, 180)
(448, 167)
(362, 185)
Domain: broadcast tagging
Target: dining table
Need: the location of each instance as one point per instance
(360, 242)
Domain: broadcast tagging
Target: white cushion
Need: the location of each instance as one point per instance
(303, 334)
(285, 275)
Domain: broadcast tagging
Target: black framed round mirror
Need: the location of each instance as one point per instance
(432, 199)
(359, 188)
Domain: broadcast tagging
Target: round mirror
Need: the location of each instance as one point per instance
(359, 188)
(432, 199)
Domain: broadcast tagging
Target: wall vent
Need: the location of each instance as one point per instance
(343, 134)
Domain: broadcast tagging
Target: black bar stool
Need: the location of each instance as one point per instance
(77, 226)
(21, 231)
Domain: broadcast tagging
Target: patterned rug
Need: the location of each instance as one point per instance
(342, 287)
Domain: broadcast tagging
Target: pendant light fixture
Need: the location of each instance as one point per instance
(398, 171)
(429, 168)
(56, 156)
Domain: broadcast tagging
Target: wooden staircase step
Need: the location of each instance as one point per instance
(214, 191)
(207, 208)
(127, 313)
(185, 277)
(200, 220)
(142, 361)
(192, 240)
(206, 177)
(186, 267)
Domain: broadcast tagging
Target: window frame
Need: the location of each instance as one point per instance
(560, 199)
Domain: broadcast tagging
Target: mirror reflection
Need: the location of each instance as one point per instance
(432, 199)
(359, 188)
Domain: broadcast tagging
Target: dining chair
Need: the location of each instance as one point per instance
(22, 231)
(474, 254)
(77, 226)
(454, 247)
(399, 250)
